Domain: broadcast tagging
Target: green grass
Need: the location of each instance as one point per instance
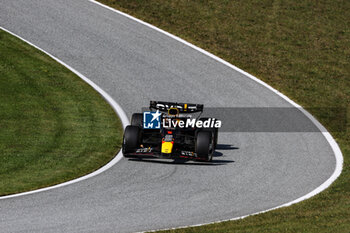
(53, 126)
(301, 48)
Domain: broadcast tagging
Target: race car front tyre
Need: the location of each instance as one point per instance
(204, 145)
(131, 139)
(137, 119)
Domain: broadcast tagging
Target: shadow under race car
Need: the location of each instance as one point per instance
(180, 135)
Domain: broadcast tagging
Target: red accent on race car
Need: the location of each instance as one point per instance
(172, 142)
(143, 153)
(189, 157)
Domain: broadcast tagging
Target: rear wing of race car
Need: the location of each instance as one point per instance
(182, 107)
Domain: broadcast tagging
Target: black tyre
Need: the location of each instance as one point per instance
(131, 139)
(215, 132)
(137, 120)
(204, 145)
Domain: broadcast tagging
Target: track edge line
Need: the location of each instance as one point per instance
(116, 107)
(335, 147)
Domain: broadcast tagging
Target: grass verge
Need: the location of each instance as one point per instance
(53, 126)
(301, 48)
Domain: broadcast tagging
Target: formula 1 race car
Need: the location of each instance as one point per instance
(170, 130)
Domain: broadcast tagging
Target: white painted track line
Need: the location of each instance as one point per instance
(337, 152)
(124, 119)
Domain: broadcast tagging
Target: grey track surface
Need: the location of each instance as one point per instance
(134, 64)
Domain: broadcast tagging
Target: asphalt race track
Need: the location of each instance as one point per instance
(251, 171)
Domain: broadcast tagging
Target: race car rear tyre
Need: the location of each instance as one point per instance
(131, 139)
(137, 119)
(215, 131)
(204, 145)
